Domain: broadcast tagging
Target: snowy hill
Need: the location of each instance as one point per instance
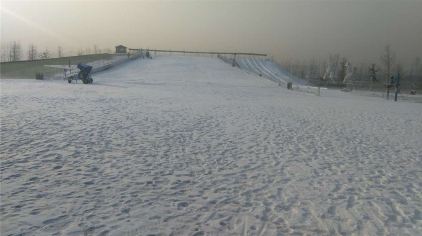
(192, 146)
(265, 67)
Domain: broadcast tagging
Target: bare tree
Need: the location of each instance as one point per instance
(59, 51)
(313, 72)
(15, 51)
(32, 52)
(331, 71)
(301, 69)
(322, 67)
(342, 70)
(417, 66)
(95, 49)
(45, 54)
(399, 68)
(4, 52)
(388, 61)
(350, 71)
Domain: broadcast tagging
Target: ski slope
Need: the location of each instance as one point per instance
(264, 67)
(181, 145)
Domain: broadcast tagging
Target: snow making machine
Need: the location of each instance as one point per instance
(84, 74)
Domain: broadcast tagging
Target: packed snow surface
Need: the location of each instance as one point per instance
(191, 146)
(263, 67)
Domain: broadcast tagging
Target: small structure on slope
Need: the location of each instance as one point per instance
(121, 49)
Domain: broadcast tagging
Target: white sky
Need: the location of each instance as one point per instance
(301, 29)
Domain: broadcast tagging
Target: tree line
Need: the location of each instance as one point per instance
(13, 51)
(337, 70)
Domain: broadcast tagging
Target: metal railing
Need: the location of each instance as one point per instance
(199, 52)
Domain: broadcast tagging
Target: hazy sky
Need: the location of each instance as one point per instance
(301, 29)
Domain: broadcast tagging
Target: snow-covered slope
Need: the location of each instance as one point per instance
(192, 146)
(98, 66)
(265, 67)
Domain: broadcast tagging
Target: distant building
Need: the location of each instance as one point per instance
(121, 49)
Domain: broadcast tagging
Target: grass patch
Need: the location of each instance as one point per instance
(28, 69)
